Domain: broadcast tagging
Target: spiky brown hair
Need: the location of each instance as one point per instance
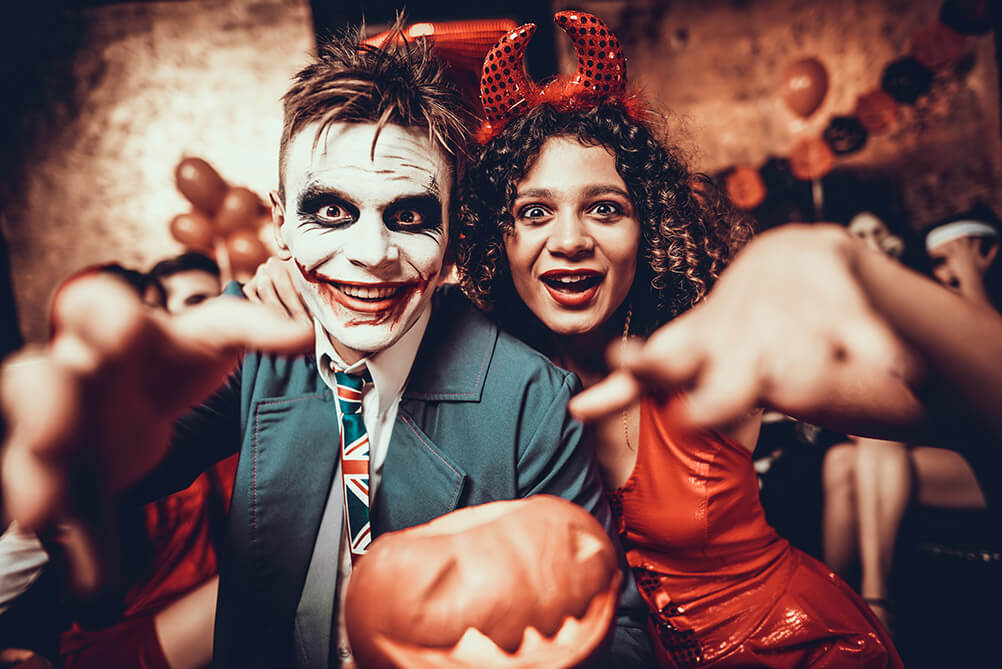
(400, 82)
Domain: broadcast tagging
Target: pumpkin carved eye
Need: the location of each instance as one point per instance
(524, 583)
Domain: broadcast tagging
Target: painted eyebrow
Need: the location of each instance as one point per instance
(315, 194)
(413, 200)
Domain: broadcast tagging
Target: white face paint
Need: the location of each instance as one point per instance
(367, 231)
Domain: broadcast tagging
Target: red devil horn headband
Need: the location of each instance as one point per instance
(506, 90)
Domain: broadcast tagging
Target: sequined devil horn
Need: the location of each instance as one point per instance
(504, 84)
(601, 63)
(506, 90)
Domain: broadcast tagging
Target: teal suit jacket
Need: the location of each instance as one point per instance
(482, 418)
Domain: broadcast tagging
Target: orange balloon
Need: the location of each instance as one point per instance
(877, 111)
(201, 184)
(804, 85)
(241, 208)
(245, 249)
(193, 229)
(938, 47)
(811, 158)
(745, 187)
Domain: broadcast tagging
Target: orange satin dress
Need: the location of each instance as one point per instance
(723, 588)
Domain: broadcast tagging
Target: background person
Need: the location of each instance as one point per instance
(187, 280)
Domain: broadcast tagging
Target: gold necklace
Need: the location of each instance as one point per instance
(626, 410)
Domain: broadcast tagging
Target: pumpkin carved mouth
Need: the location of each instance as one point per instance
(514, 584)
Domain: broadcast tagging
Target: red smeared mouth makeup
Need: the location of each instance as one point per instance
(372, 298)
(384, 301)
(572, 288)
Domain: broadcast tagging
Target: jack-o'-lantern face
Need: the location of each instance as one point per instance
(506, 585)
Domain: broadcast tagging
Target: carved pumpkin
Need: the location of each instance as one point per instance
(515, 584)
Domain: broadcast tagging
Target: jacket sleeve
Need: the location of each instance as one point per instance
(205, 435)
(559, 459)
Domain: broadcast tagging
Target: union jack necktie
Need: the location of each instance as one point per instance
(354, 461)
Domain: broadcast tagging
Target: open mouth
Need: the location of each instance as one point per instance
(368, 293)
(572, 288)
(364, 297)
(369, 298)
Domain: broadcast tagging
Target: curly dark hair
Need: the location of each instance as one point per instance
(689, 229)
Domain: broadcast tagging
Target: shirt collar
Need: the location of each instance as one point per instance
(388, 368)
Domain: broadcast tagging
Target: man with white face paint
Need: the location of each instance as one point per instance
(455, 413)
(369, 259)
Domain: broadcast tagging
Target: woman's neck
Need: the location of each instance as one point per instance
(584, 354)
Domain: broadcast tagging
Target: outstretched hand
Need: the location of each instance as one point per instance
(787, 326)
(100, 399)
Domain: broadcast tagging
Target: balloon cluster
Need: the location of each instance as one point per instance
(936, 49)
(224, 220)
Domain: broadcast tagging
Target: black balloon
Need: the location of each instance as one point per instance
(968, 17)
(845, 134)
(777, 175)
(906, 80)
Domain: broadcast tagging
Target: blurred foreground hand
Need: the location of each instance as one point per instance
(788, 326)
(98, 402)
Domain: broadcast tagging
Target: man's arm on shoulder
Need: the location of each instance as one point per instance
(558, 459)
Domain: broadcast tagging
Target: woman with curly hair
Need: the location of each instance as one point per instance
(581, 226)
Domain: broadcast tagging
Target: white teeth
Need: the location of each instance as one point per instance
(571, 278)
(368, 292)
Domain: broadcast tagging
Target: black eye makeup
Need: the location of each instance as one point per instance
(325, 207)
(414, 213)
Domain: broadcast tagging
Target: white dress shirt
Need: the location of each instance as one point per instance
(330, 567)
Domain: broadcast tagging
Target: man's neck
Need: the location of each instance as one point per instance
(348, 355)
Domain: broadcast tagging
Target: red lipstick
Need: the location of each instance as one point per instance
(572, 288)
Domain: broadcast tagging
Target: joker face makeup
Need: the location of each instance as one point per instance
(367, 227)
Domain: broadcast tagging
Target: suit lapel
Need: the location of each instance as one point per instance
(419, 481)
(295, 455)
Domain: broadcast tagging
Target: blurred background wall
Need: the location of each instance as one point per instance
(119, 93)
(716, 66)
(105, 98)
